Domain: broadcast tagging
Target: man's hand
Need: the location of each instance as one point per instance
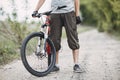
(34, 13)
(78, 20)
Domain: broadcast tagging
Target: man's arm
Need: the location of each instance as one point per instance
(77, 10)
(77, 4)
(39, 4)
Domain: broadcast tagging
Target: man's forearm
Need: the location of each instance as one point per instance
(77, 4)
(39, 4)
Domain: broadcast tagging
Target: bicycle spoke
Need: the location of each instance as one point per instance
(38, 55)
(39, 63)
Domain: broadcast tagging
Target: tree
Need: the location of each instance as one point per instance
(105, 12)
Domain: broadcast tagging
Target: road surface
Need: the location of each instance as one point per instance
(99, 57)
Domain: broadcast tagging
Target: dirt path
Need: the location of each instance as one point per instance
(99, 57)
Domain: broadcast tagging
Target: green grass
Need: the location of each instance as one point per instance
(115, 35)
(8, 51)
(6, 58)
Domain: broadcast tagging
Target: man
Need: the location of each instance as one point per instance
(67, 17)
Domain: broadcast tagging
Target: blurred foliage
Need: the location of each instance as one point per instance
(105, 14)
(12, 32)
(8, 51)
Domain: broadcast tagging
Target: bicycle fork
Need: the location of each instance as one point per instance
(41, 45)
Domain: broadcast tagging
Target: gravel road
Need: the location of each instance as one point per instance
(99, 57)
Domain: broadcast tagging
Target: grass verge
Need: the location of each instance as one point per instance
(115, 35)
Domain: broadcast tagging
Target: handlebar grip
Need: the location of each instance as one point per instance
(34, 13)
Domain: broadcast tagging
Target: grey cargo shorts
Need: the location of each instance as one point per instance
(68, 20)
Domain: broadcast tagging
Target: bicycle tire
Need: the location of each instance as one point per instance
(51, 61)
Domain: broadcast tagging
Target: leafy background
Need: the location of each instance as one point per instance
(101, 14)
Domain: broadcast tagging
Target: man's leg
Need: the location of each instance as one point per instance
(57, 57)
(75, 56)
(76, 67)
(72, 38)
(55, 35)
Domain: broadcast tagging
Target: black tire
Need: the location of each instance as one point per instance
(25, 59)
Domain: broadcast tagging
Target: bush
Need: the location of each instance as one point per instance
(88, 17)
(11, 35)
(8, 52)
(105, 14)
(100, 27)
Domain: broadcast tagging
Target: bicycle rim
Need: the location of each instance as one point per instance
(37, 64)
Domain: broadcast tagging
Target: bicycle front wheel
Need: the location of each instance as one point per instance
(38, 55)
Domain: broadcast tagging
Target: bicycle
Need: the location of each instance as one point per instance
(37, 47)
(38, 52)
